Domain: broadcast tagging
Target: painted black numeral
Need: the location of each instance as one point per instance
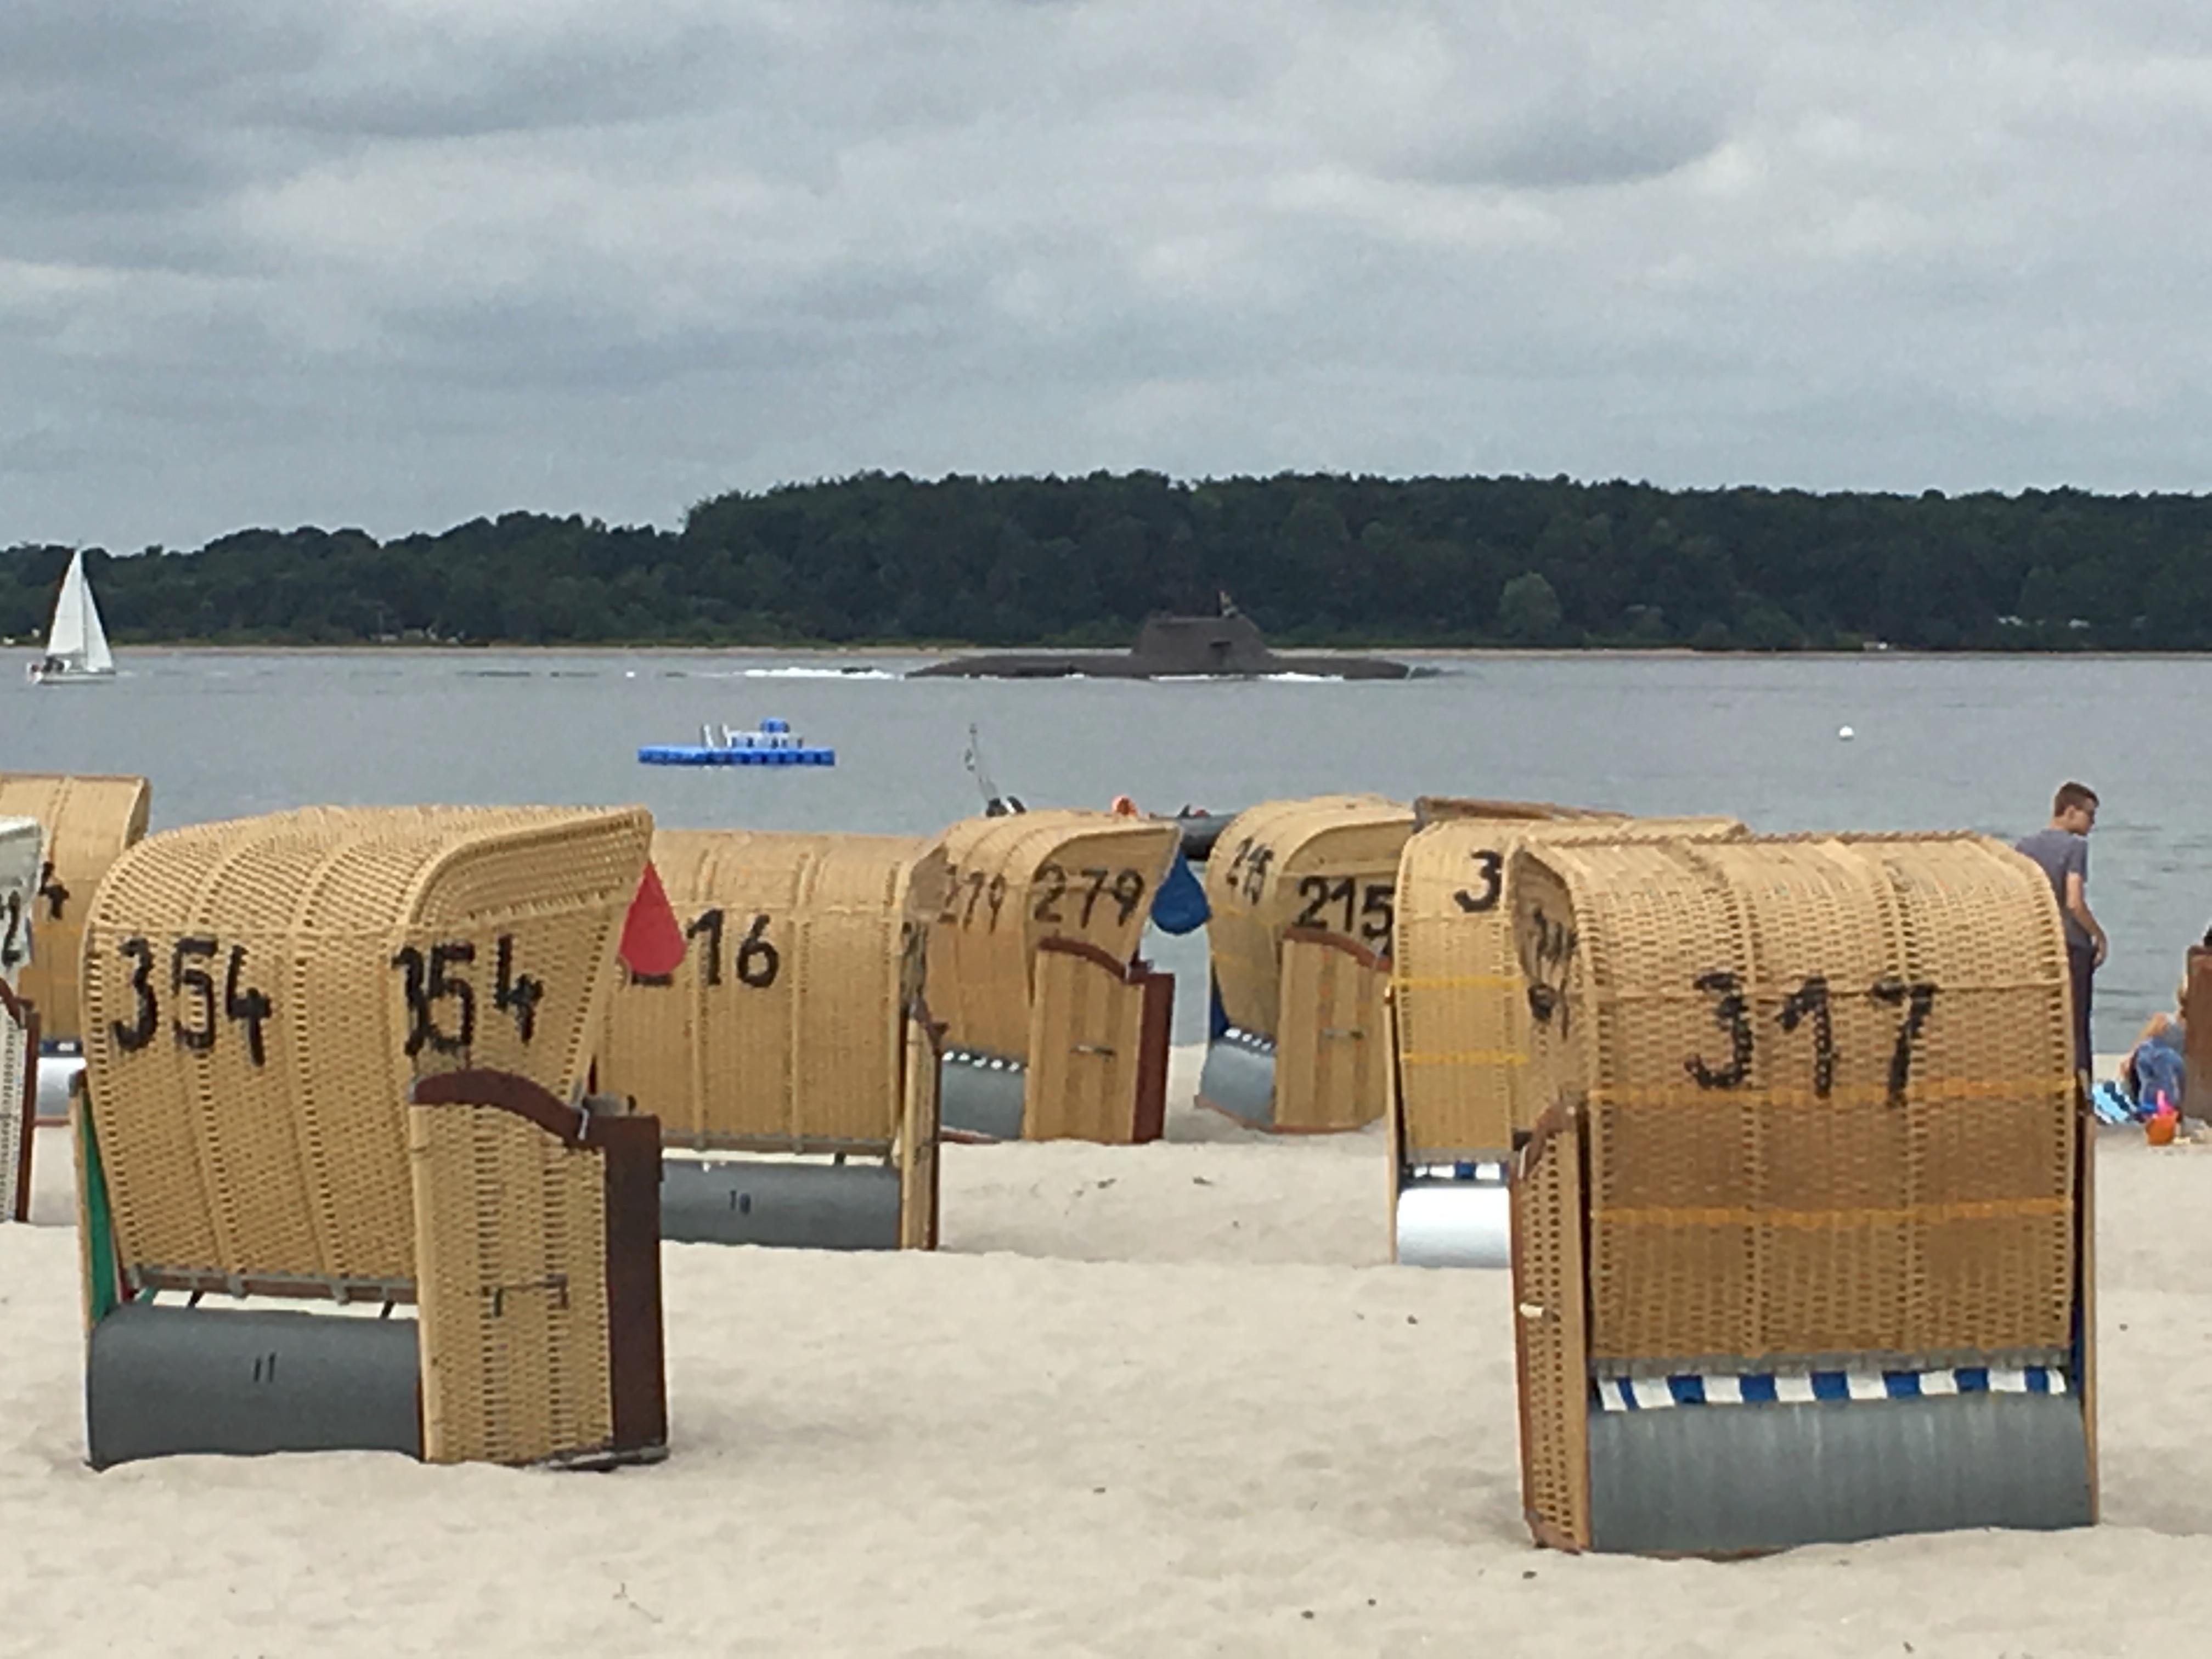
(1731, 1014)
(758, 961)
(516, 995)
(246, 1007)
(133, 1038)
(1053, 881)
(198, 1036)
(428, 984)
(1810, 1001)
(1917, 999)
(1492, 866)
(709, 923)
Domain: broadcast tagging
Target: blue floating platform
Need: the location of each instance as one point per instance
(773, 745)
(692, 754)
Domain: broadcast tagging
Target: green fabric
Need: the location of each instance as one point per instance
(99, 1252)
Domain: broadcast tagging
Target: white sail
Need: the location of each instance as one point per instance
(76, 644)
(66, 639)
(98, 658)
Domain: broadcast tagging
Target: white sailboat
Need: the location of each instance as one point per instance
(76, 645)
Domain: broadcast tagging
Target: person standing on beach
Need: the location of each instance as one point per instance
(2062, 847)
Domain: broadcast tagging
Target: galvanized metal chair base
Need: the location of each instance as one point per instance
(780, 1202)
(61, 1076)
(1726, 1479)
(1239, 1078)
(1454, 1215)
(979, 1096)
(163, 1382)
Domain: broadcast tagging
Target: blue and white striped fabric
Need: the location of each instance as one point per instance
(1623, 1393)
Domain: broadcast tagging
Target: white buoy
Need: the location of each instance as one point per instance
(1845, 734)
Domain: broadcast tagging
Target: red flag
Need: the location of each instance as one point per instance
(652, 940)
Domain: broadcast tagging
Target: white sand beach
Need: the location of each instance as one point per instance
(1153, 1400)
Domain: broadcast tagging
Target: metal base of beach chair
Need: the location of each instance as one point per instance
(1728, 1480)
(61, 1075)
(1455, 1220)
(163, 1382)
(808, 1206)
(1238, 1080)
(981, 1095)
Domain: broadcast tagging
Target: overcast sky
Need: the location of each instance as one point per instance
(397, 262)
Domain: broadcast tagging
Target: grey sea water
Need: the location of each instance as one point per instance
(1941, 743)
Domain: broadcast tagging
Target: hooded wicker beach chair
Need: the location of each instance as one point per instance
(22, 846)
(1054, 1029)
(789, 1059)
(90, 820)
(1304, 901)
(1801, 1245)
(336, 1061)
(1459, 1019)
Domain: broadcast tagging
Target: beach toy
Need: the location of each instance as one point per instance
(21, 845)
(772, 744)
(1302, 895)
(2159, 1126)
(1799, 1243)
(789, 1057)
(1459, 1018)
(336, 1058)
(1054, 1029)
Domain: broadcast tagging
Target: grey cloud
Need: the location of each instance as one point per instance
(397, 263)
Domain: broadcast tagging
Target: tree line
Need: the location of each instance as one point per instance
(1313, 559)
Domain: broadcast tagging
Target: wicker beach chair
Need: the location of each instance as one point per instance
(1801, 1246)
(1302, 895)
(21, 847)
(790, 1056)
(336, 1057)
(1459, 1019)
(1054, 1029)
(90, 820)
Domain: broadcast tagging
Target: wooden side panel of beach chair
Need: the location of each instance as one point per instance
(19, 1101)
(2196, 1019)
(1086, 1044)
(261, 995)
(919, 1167)
(1550, 1330)
(1462, 1002)
(1013, 883)
(511, 1237)
(89, 821)
(1331, 1060)
(1328, 864)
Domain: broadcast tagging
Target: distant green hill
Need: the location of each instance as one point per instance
(1316, 560)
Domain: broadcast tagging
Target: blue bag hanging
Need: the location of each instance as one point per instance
(1180, 905)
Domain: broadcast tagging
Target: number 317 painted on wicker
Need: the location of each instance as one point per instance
(1808, 1005)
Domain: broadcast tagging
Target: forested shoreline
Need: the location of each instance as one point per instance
(1314, 559)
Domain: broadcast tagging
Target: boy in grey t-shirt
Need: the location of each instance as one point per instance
(2062, 847)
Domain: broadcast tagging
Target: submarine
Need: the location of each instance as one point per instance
(1226, 646)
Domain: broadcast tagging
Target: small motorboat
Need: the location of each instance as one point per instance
(774, 743)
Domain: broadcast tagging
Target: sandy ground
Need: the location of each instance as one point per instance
(1149, 1400)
